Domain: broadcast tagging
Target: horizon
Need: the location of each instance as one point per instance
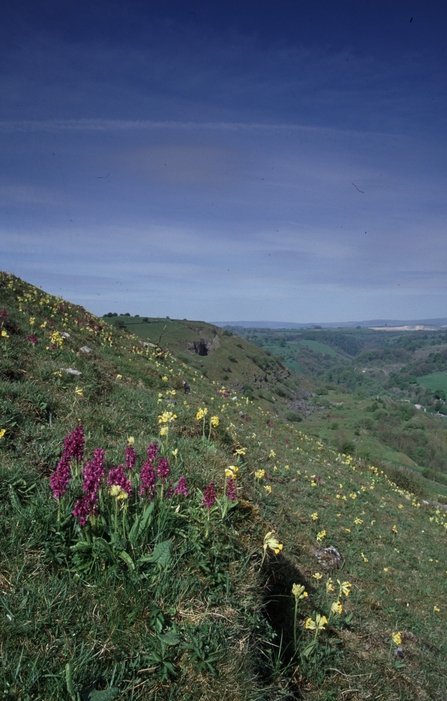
(262, 161)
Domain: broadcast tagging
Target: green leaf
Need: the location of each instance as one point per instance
(127, 559)
(169, 638)
(161, 554)
(106, 695)
(141, 523)
(69, 680)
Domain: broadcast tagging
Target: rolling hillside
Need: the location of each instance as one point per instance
(163, 537)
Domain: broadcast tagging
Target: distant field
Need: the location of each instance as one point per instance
(434, 381)
(316, 346)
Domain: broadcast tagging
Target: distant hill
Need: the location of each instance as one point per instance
(332, 325)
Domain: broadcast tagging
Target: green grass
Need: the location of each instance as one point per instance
(204, 610)
(434, 381)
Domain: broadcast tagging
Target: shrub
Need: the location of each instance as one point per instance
(293, 416)
(406, 479)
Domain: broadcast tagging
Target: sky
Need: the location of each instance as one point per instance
(233, 160)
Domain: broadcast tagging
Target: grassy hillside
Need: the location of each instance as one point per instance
(382, 394)
(214, 550)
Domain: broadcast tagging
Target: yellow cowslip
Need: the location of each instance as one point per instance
(117, 492)
(345, 587)
(214, 421)
(166, 417)
(321, 536)
(268, 488)
(164, 430)
(317, 624)
(397, 638)
(314, 516)
(240, 451)
(131, 440)
(337, 608)
(2, 432)
(259, 474)
(317, 576)
(329, 586)
(4, 334)
(201, 413)
(271, 542)
(299, 591)
(79, 391)
(231, 471)
(272, 454)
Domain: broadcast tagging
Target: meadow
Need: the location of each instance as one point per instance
(168, 535)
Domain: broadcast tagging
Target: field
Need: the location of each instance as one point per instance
(434, 381)
(162, 541)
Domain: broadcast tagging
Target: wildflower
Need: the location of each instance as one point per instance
(117, 492)
(165, 378)
(358, 521)
(321, 536)
(345, 587)
(74, 443)
(271, 542)
(60, 479)
(337, 608)
(394, 529)
(119, 377)
(396, 638)
(259, 474)
(166, 417)
(164, 430)
(201, 413)
(365, 559)
(2, 432)
(214, 421)
(181, 487)
(436, 609)
(317, 576)
(4, 334)
(353, 495)
(314, 516)
(240, 451)
(147, 478)
(152, 451)
(329, 586)
(299, 591)
(209, 495)
(79, 391)
(272, 454)
(318, 624)
(131, 457)
(118, 478)
(231, 471)
(32, 338)
(163, 469)
(92, 473)
(230, 491)
(268, 488)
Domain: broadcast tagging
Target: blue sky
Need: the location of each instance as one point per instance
(257, 160)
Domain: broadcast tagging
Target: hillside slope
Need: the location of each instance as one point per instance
(214, 551)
